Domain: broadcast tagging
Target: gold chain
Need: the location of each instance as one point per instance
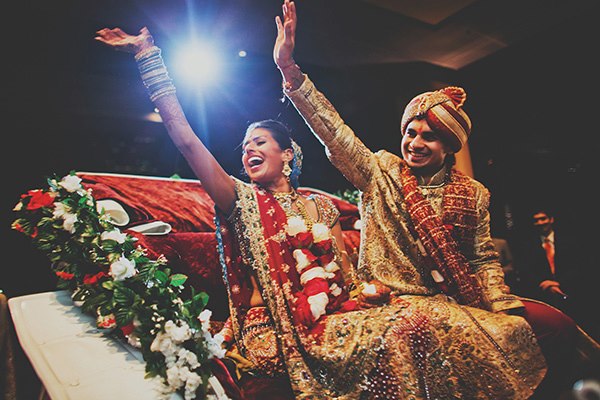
(304, 213)
(287, 200)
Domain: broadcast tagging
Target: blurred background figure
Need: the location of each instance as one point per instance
(558, 267)
(586, 389)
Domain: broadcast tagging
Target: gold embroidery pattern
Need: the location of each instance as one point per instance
(260, 342)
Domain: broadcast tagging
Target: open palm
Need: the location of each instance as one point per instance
(119, 40)
(286, 35)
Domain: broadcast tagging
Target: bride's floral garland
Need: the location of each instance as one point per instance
(320, 275)
(129, 294)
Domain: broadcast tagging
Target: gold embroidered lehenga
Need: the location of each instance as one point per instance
(420, 346)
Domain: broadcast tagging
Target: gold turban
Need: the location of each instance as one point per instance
(443, 111)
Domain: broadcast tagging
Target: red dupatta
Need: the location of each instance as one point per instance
(261, 220)
(439, 243)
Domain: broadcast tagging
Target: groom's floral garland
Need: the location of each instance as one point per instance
(320, 275)
(129, 294)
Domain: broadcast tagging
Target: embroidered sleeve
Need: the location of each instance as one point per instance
(346, 152)
(486, 264)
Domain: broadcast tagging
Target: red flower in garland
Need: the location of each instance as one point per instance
(127, 329)
(324, 246)
(67, 276)
(320, 276)
(18, 227)
(349, 305)
(90, 279)
(316, 286)
(301, 239)
(302, 310)
(38, 199)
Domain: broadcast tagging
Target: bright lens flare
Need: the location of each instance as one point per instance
(199, 65)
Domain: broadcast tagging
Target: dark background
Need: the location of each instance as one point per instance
(528, 67)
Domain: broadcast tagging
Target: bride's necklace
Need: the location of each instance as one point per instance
(287, 201)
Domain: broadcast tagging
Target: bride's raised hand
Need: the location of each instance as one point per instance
(286, 36)
(122, 41)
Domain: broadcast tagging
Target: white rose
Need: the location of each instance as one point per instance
(318, 303)
(369, 288)
(178, 334)
(71, 183)
(214, 345)
(301, 260)
(320, 232)
(295, 225)
(332, 267)
(173, 377)
(204, 319)
(89, 198)
(18, 206)
(335, 289)
(313, 273)
(69, 222)
(122, 269)
(192, 382)
(187, 357)
(60, 209)
(157, 342)
(115, 235)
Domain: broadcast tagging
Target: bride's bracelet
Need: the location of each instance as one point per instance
(154, 73)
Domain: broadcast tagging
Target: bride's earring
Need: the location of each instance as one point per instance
(287, 171)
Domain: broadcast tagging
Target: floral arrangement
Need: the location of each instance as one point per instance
(138, 299)
(320, 275)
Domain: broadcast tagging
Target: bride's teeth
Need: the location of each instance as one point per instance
(255, 160)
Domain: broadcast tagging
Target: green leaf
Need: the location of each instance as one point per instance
(110, 246)
(161, 277)
(108, 285)
(201, 298)
(186, 313)
(124, 316)
(178, 279)
(124, 296)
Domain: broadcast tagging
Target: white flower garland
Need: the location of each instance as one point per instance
(68, 206)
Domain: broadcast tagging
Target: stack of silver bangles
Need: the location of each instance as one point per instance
(154, 73)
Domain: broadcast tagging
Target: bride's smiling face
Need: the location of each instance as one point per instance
(262, 157)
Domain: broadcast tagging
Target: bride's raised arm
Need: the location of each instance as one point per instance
(217, 183)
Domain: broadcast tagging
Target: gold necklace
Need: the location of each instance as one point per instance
(304, 213)
(287, 201)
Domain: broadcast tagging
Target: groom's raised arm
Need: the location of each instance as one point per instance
(346, 152)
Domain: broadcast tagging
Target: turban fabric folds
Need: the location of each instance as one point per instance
(443, 111)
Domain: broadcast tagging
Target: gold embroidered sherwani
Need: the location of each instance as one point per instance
(472, 346)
